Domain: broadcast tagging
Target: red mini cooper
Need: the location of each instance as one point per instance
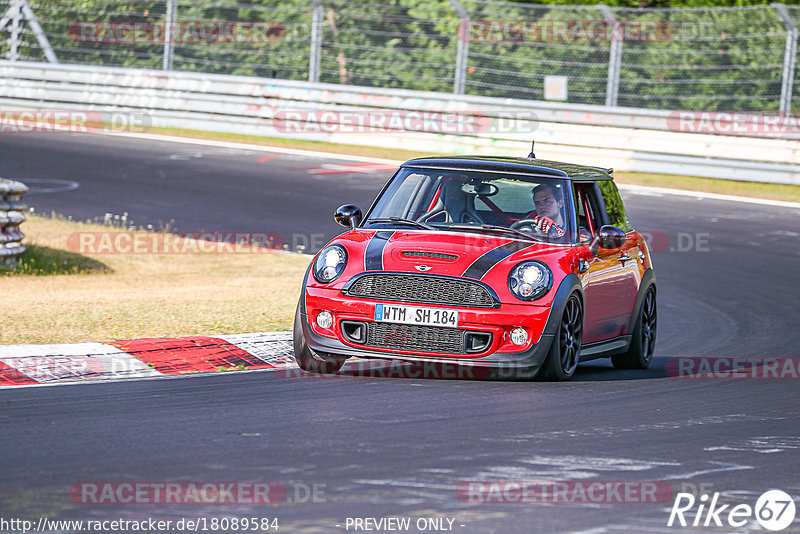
(521, 266)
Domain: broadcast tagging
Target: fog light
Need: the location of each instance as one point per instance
(324, 319)
(519, 336)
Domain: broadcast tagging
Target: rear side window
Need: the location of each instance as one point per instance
(614, 207)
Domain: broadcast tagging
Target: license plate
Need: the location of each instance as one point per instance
(392, 313)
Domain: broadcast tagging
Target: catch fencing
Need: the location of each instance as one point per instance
(11, 216)
(737, 58)
(136, 100)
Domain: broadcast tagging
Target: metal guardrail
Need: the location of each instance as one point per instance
(623, 138)
(11, 216)
(714, 58)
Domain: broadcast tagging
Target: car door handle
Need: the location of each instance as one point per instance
(624, 258)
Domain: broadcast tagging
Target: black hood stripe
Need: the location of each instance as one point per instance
(482, 265)
(373, 255)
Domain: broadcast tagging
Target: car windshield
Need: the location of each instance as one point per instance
(474, 201)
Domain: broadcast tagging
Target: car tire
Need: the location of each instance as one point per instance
(564, 354)
(643, 340)
(308, 360)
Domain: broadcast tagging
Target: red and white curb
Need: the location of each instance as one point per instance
(24, 365)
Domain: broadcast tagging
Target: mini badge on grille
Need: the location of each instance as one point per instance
(422, 268)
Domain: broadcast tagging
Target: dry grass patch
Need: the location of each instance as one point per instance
(789, 193)
(123, 296)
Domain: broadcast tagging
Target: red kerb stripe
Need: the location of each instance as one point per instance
(198, 354)
(9, 376)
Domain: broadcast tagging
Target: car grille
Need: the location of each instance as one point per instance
(431, 255)
(425, 289)
(417, 338)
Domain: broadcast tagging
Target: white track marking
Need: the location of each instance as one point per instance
(249, 146)
(762, 445)
(80, 361)
(47, 185)
(641, 189)
(595, 463)
(723, 466)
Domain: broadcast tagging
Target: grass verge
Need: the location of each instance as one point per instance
(790, 193)
(691, 183)
(44, 261)
(63, 297)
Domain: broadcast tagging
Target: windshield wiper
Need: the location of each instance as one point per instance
(493, 228)
(399, 220)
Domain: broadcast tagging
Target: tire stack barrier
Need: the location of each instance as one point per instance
(11, 216)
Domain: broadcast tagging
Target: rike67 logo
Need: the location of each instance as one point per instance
(774, 510)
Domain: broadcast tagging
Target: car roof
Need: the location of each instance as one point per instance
(531, 166)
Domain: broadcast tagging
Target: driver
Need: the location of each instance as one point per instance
(548, 217)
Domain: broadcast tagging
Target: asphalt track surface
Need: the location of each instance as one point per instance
(187, 188)
(380, 447)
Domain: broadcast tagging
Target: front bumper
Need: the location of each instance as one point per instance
(538, 321)
(529, 360)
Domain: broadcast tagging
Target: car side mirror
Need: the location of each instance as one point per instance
(348, 215)
(608, 238)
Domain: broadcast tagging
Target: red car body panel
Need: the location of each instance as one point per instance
(610, 286)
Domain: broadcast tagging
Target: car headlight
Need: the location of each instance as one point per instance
(330, 263)
(530, 280)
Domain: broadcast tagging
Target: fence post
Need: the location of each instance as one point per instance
(316, 41)
(15, 18)
(614, 57)
(16, 11)
(169, 33)
(41, 37)
(789, 57)
(11, 216)
(462, 48)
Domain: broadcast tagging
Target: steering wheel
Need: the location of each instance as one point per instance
(528, 225)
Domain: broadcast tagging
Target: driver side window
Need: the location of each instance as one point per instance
(585, 208)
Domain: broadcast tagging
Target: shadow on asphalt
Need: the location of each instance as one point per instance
(603, 370)
(596, 370)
